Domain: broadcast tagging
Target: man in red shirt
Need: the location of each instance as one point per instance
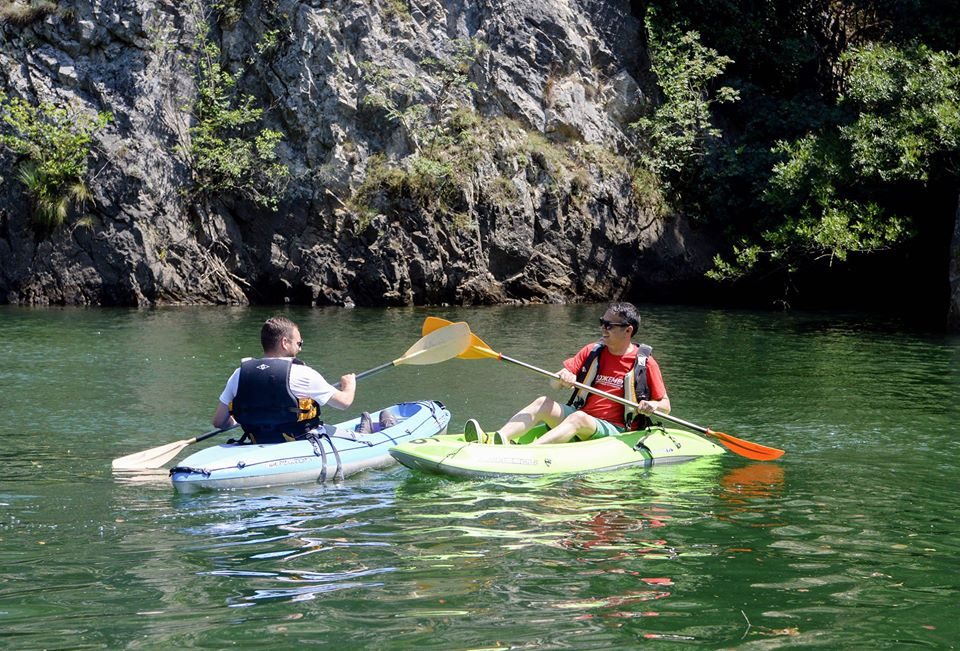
(603, 366)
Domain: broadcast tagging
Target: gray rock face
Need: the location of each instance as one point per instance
(545, 212)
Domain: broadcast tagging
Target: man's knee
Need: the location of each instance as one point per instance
(537, 404)
(581, 422)
(536, 407)
(546, 405)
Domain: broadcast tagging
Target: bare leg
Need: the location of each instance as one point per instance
(576, 424)
(543, 409)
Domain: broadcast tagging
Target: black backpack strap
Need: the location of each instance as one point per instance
(591, 359)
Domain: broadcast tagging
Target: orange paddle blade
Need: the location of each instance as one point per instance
(432, 323)
(477, 349)
(747, 449)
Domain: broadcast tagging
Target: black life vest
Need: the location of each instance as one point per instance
(635, 386)
(265, 407)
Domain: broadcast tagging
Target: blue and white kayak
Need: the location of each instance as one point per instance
(236, 465)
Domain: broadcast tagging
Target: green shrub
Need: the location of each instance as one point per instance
(431, 184)
(831, 188)
(396, 10)
(53, 143)
(674, 138)
(503, 193)
(228, 153)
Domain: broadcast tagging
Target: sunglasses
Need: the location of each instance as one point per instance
(608, 325)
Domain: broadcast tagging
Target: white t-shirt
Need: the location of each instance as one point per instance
(304, 383)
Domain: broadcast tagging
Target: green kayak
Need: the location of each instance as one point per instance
(452, 455)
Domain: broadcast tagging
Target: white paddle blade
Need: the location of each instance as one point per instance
(152, 458)
(438, 346)
(477, 349)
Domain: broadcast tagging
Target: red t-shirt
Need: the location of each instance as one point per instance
(610, 379)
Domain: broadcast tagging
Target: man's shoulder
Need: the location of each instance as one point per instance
(581, 355)
(304, 370)
(590, 347)
(638, 350)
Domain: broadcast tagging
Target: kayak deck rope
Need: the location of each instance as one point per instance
(347, 435)
(432, 406)
(641, 443)
(316, 439)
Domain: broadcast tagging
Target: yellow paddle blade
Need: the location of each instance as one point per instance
(439, 345)
(432, 323)
(476, 349)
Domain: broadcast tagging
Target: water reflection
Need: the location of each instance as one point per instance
(434, 535)
(159, 477)
(752, 481)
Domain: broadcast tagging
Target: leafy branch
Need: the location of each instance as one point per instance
(54, 143)
(904, 131)
(675, 137)
(228, 153)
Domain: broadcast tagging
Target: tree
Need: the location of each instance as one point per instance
(835, 188)
(675, 137)
(228, 153)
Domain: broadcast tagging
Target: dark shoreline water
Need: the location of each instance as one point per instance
(849, 541)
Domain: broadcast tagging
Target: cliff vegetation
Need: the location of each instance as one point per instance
(399, 152)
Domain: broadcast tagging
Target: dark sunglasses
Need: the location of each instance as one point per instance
(607, 325)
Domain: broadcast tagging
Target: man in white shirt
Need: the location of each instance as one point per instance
(277, 398)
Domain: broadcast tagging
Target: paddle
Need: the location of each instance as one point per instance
(156, 457)
(478, 350)
(442, 343)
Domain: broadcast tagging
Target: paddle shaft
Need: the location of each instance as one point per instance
(212, 433)
(600, 392)
(369, 372)
(457, 342)
(433, 322)
(744, 448)
(478, 349)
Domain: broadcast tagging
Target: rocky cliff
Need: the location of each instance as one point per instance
(536, 198)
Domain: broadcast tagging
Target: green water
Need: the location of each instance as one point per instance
(850, 540)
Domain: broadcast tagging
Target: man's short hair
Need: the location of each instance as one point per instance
(274, 329)
(628, 312)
